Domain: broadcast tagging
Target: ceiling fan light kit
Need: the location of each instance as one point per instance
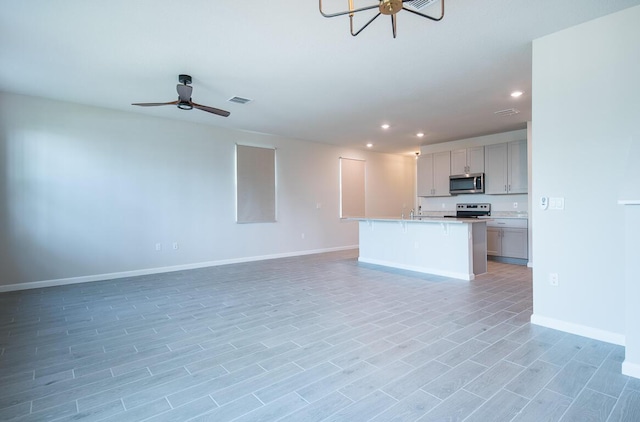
(184, 101)
(385, 7)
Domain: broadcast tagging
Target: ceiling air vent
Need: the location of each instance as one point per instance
(421, 4)
(507, 112)
(239, 100)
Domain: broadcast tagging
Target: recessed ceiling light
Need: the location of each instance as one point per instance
(369, 145)
(516, 94)
(420, 134)
(385, 126)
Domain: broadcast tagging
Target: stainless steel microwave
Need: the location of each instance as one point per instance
(466, 183)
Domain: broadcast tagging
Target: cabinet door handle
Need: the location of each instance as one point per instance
(509, 188)
(505, 188)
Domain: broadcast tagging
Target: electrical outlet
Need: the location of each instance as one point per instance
(302, 236)
(553, 279)
(158, 246)
(515, 205)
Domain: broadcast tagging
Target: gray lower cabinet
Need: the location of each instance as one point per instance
(494, 241)
(508, 237)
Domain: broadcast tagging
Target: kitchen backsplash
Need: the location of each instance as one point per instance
(501, 205)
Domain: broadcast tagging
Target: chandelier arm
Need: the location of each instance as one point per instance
(331, 15)
(427, 16)
(393, 24)
(365, 25)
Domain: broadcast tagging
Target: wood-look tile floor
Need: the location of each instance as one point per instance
(309, 338)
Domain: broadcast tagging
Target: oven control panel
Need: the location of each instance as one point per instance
(473, 210)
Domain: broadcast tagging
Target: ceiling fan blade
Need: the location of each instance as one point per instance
(213, 110)
(184, 92)
(154, 104)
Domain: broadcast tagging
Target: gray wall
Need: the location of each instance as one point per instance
(586, 105)
(86, 193)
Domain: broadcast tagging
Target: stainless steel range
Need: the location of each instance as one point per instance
(473, 210)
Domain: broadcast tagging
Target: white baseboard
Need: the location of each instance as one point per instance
(158, 270)
(581, 330)
(631, 369)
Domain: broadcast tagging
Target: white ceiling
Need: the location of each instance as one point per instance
(308, 77)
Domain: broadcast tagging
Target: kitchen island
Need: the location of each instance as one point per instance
(451, 247)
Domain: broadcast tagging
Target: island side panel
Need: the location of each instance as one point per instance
(439, 248)
(479, 239)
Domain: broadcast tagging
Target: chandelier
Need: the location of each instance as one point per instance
(385, 7)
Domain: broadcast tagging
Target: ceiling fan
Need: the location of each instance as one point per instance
(184, 99)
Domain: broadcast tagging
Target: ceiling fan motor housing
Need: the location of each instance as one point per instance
(184, 79)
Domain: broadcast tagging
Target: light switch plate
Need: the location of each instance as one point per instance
(556, 203)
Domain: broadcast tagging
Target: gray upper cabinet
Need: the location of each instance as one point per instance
(517, 166)
(433, 174)
(469, 160)
(506, 168)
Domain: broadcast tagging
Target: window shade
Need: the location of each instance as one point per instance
(256, 184)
